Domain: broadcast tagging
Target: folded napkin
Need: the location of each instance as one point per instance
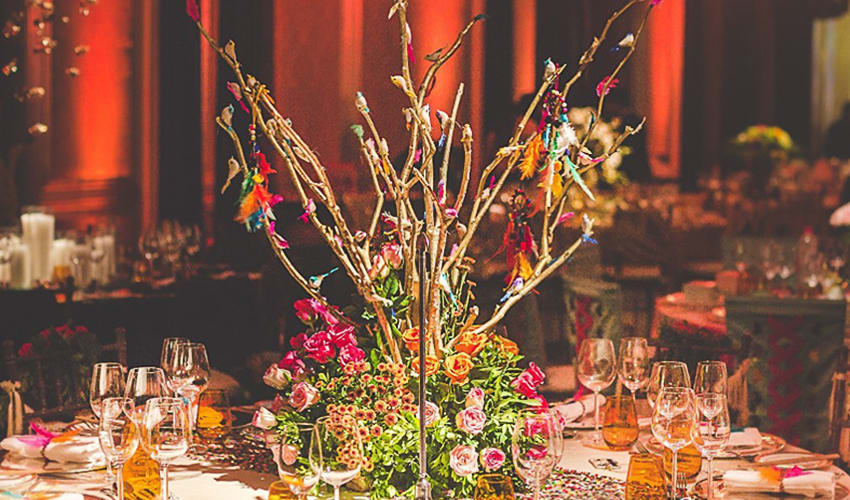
(749, 437)
(768, 480)
(78, 449)
(575, 410)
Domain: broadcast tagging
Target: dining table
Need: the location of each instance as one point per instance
(575, 478)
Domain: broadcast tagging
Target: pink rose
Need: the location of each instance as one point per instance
(537, 375)
(475, 397)
(303, 396)
(432, 413)
(471, 420)
(276, 377)
(264, 419)
(341, 335)
(391, 252)
(292, 363)
(463, 460)
(309, 310)
(351, 354)
(26, 350)
(320, 348)
(525, 385)
(45, 334)
(288, 454)
(278, 403)
(492, 458)
(297, 342)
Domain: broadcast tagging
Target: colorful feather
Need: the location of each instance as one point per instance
(577, 178)
(605, 85)
(308, 211)
(193, 11)
(531, 158)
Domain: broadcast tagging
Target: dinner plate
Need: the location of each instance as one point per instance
(769, 444)
(767, 458)
(16, 483)
(841, 493)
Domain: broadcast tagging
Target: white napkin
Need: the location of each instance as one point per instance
(79, 449)
(20, 447)
(577, 409)
(749, 437)
(810, 484)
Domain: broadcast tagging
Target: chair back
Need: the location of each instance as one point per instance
(594, 309)
(53, 392)
(793, 346)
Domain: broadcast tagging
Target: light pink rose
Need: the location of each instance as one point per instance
(471, 420)
(463, 460)
(303, 396)
(351, 354)
(276, 377)
(264, 419)
(492, 458)
(288, 454)
(475, 397)
(432, 413)
(391, 252)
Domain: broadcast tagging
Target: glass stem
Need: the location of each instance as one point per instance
(675, 486)
(110, 474)
(537, 488)
(710, 478)
(119, 480)
(163, 477)
(336, 492)
(596, 410)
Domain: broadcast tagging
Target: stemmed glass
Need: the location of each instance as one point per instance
(337, 452)
(190, 374)
(711, 430)
(107, 381)
(710, 377)
(672, 421)
(597, 368)
(166, 433)
(633, 363)
(293, 454)
(533, 448)
(117, 435)
(149, 248)
(166, 357)
(144, 383)
(666, 374)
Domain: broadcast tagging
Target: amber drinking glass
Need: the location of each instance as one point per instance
(494, 487)
(645, 481)
(280, 491)
(619, 424)
(214, 417)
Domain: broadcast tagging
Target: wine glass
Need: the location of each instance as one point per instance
(666, 374)
(107, 381)
(292, 453)
(710, 377)
(190, 374)
(337, 452)
(149, 248)
(711, 430)
(166, 433)
(166, 357)
(633, 363)
(117, 435)
(144, 383)
(672, 421)
(597, 368)
(533, 448)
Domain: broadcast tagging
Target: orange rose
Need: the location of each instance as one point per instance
(432, 365)
(471, 343)
(458, 366)
(410, 337)
(505, 345)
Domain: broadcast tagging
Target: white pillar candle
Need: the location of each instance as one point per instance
(38, 235)
(20, 267)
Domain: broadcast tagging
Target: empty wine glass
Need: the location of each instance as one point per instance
(166, 433)
(293, 456)
(597, 368)
(117, 435)
(190, 374)
(107, 381)
(634, 363)
(711, 430)
(533, 448)
(710, 377)
(337, 452)
(672, 422)
(666, 374)
(166, 357)
(144, 383)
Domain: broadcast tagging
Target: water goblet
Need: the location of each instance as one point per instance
(711, 430)
(337, 453)
(533, 448)
(633, 363)
(117, 435)
(666, 374)
(295, 466)
(166, 426)
(672, 422)
(710, 377)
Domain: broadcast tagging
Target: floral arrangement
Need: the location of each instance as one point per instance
(72, 349)
(765, 137)
(475, 393)
(347, 364)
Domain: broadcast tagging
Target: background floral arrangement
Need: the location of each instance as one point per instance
(359, 363)
(72, 351)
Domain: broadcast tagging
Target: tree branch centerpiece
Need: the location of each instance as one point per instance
(345, 366)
